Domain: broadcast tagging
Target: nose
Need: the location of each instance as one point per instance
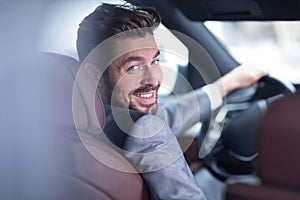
(151, 75)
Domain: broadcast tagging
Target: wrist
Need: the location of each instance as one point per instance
(225, 85)
(214, 94)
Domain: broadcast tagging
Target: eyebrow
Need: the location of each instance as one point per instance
(136, 58)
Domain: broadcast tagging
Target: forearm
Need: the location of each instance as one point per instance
(240, 77)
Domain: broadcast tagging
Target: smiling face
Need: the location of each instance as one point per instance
(135, 77)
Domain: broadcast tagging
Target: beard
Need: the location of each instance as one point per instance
(141, 107)
(107, 88)
(150, 109)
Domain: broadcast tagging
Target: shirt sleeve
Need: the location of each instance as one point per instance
(183, 111)
(152, 148)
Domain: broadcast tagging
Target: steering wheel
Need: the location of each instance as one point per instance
(227, 143)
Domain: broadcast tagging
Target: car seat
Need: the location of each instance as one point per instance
(78, 172)
(278, 161)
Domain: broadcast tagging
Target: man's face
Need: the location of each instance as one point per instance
(136, 76)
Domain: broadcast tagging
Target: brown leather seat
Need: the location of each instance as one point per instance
(78, 173)
(278, 164)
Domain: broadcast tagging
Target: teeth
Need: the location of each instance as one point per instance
(145, 95)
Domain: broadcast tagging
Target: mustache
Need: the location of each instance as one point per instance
(147, 88)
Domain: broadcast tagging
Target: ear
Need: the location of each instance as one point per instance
(96, 77)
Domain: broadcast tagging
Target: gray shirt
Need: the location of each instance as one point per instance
(152, 147)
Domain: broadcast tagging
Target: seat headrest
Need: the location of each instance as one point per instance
(74, 99)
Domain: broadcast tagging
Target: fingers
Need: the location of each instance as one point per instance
(247, 75)
(255, 69)
(243, 76)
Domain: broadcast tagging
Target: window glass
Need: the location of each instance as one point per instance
(61, 23)
(275, 44)
(174, 55)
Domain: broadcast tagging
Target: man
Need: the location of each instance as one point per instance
(117, 48)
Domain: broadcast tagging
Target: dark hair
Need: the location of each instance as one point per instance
(108, 20)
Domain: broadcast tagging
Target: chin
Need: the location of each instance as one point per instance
(153, 109)
(149, 110)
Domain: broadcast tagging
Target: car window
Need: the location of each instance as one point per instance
(61, 23)
(174, 55)
(276, 44)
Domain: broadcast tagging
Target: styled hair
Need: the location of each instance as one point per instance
(108, 20)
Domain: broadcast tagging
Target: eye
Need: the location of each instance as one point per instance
(155, 62)
(133, 68)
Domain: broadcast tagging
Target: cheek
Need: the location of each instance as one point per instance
(125, 85)
(114, 78)
(159, 74)
(119, 83)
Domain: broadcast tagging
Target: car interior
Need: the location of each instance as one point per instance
(47, 153)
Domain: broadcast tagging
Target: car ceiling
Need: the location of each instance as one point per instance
(202, 10)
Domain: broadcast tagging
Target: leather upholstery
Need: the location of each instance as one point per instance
(85, 171)
(244, 191)
(278, 162)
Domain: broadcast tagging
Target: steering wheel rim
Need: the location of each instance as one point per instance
(277, 84)
(269, 89)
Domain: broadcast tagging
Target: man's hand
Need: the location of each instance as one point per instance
(240, 77)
